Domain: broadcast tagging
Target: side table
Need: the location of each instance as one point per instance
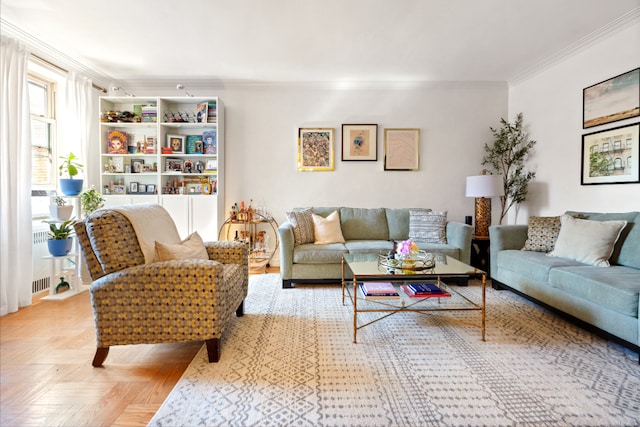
(480, 253)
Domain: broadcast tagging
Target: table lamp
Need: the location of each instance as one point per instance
(483, 187)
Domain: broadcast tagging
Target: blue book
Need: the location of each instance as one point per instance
(425, 288)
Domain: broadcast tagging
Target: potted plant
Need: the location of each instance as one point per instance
(59, 210)
(90, 200)
(70, 186)
(60, 239)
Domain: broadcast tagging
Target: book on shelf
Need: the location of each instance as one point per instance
(378, 290)
(413, 294)
(194, 144)
(210, 141)
(426, 288)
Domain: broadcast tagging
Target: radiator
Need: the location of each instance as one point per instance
(41, 267)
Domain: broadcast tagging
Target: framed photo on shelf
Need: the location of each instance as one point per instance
(150, 145)
(315, 149)
(611, 156)
(118, 164)
(210, 142)
(611, 100)
(174, 165)
(359, 142)
(402, 149)
(201, 112)
(142, 188)
(133, 187)
(151, 188)
(119, 189)
(176, 143)
(211, 166)
(137, 165)
(117, 142)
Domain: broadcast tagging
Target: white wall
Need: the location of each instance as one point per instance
(552, 105)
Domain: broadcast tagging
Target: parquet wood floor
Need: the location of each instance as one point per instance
(46, 377)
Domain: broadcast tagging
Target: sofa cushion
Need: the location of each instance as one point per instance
(327, 230)
(302, 224)
(364, 224)
(542, 233)
(616, 288)
(398, 222)
(427, 227)
(319, 254)
(190, 248)
(534, 265)
(368, 246)
(590, 242)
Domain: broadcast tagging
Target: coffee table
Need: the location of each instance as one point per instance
(366, 268)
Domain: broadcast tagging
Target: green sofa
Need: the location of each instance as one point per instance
(603, 299)
(365, 230)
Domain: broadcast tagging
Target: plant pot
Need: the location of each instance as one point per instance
(60, 213)
(60, 247)
(71, 187)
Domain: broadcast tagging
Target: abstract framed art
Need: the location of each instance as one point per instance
(315, 149)
(611, 156)
(359, 142)
(402, 149)
(617, 98)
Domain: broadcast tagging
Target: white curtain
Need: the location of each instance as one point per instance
(15, 179)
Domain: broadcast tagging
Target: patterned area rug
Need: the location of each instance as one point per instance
(290, 361)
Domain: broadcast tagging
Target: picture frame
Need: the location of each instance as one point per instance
(118, 164)
(151, 188)
(173, 165)
(142, 188)
(315, 149)
(133, 187)
(201, 112)
(402, 149)
(360, 142)
(117, 142)
(211, 166)
(176, 143)
(609, 101)
(137, 165)
(150, 145)
(119, 189)
(611, 156)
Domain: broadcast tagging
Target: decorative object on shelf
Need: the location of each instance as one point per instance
(117, 142)
(194, 144)
(611, 100)
(483, 187)
(507, 156)
(210, 142)
(418, 261)
(59, 210)
(315, 149)
(60, 239)
(402, 149)
(176, 143)
(62, 286)
(90, 200)
(611, 156)
(201, 112)
(137, 165)
(70, 186)
(133, 187)
(359, 142)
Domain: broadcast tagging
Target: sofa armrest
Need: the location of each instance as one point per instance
(287, 242)
(459, 235)
(504, 237)
(228, 252)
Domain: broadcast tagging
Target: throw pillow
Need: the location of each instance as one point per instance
(302, 226)
(327, 230)
(542, 233)
(191, 248)
(427, 227)
(587, 241)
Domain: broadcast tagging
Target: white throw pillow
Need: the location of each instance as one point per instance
(590, 242)
(191, 248)
(428, 227)
(327, 230)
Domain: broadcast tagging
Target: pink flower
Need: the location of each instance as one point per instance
(406, 247)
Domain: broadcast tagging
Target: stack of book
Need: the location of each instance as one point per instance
(425, 290)
(149, 113)
(212, 113)
(372, 290)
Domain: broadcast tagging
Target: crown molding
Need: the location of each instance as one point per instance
(612, 28)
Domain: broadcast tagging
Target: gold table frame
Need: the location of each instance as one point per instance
(365, 268)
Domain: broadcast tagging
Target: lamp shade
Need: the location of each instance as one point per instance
(484, 186)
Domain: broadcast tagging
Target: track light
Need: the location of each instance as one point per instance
(181, 87)
(117, 88)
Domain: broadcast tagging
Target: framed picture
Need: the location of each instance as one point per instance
(210, 141)
(133, 187)
(611, 156)
(150, 145)
(117, 142)
(359, 142)
(151, 188)
(206, 188)
(315, 149)
(211, 166)
(611, 100)
(201, 112)
(176, 143)
(402, 149)
(142, 188)
(137, 165)
(119, 189)
(118, 164)
(173, 165)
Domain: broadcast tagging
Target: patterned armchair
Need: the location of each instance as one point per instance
(168, 301)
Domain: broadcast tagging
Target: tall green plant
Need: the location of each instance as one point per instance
(506, 156)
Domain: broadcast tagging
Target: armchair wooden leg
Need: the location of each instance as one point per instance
(213, 349)
(100, 356)
(240, 309)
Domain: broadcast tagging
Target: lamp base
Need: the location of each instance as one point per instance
(483, 217)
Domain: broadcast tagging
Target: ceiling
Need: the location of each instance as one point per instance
(316, 40)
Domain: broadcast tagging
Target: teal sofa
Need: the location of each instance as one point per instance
(602, 299)
(365, 230)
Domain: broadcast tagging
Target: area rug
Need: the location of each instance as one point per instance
(290, 361)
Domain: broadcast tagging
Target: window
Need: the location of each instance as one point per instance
(43, 130)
